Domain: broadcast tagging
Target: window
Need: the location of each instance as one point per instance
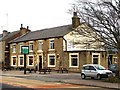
(14, 49)
(51, 60)
(40, 45)
(74, 60)
(51, 44)
(30, 61)
(21, 60)
(91, 68)
(86, 68)
(14, 61)
(96, 58)
(31, 47)
(20, 47)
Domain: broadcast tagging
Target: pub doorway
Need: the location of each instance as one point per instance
(40, 62)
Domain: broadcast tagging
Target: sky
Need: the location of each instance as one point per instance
(37, 14)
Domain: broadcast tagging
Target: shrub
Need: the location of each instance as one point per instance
(113, 79)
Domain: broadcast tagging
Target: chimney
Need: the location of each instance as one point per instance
(27, 27)
(5, 32)
(21, 26)
(24, 30)
(75, 20)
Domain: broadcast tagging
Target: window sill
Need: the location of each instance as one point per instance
(13, 52)
(73, 66)
(20, 65)
(30, 51)
(13, 65)
(30, 65)
(51, 65)
(51, 49)
(39, 51)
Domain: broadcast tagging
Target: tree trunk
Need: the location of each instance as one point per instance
(119, 61)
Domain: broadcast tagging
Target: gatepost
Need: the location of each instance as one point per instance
(25, 51)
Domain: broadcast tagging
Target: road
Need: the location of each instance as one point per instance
(13, 83)
(11, 87)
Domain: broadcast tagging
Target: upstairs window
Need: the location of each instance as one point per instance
(40, 45)
(20, 47)
(30, 47)
(14, 49)
(52, 44)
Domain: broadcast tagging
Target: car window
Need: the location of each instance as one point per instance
(99, 67)
(92, 68)
(86, 68)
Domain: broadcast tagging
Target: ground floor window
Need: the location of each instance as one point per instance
(74, 60)
(14, 61)
(30, 60)
(51, 60)
(96, 58)
(21, 60)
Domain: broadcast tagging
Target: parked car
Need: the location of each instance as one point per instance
(114, 69)
(95, 71)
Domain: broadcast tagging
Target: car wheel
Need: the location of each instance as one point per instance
(99, 76)
(83, 76)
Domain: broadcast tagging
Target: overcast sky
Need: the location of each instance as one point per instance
(37, 14)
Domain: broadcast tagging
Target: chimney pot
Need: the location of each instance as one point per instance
(27, 27)
(74, 13)
(21, 26)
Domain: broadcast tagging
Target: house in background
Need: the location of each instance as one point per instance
(65, 46)
(4, 45)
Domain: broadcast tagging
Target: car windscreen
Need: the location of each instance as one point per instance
(99, 67)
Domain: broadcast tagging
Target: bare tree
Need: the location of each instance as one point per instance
(102, 16)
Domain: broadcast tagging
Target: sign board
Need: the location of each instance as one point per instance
(25, 49)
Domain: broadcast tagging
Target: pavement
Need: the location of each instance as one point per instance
(67, 78)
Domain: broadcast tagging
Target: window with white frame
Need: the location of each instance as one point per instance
(74, 60)
(14, 48)
(14, 61)
(20, 47)
(40, 45)
(51, 44)
(95, 58)
(30, 60)
(30, 47)
(51, 60)
(21, 60)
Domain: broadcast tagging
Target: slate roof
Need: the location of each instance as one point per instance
(44, 33)
(10, 34)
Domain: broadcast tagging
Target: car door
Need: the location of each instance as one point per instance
(86, 71)
(93, 71)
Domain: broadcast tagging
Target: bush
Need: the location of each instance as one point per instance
(113, 79)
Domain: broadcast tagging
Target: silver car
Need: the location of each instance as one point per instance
(95, 71)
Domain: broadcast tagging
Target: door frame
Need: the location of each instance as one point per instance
(39, 60)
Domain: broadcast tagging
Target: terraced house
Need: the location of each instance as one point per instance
(63, 46)
(5, 37)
